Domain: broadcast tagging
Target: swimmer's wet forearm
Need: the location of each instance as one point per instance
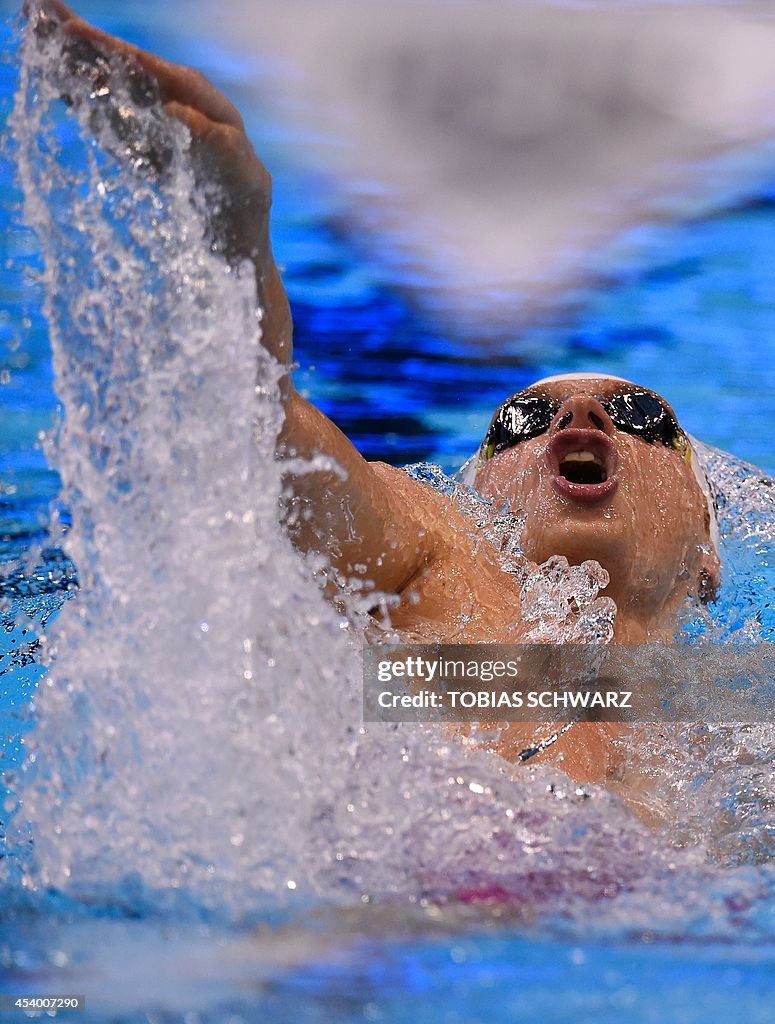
(372, 521)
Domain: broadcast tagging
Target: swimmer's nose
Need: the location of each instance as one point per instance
(582, 412)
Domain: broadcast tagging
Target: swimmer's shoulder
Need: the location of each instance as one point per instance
(433, 515)
(459, 577)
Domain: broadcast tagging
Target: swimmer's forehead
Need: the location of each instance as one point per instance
(585, 384)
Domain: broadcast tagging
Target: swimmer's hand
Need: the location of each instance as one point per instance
(221, 150)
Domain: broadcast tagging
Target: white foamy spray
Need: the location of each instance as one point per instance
(154, 752)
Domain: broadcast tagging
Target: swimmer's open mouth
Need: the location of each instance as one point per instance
(583, 464)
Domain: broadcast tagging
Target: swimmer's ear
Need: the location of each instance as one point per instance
(710, 578)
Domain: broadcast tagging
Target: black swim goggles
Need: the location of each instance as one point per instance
(633, 410)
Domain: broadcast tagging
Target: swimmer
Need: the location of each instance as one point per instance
(599, 465)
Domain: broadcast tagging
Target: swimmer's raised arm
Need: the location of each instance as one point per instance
(372, 521)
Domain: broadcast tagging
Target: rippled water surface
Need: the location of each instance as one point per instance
(208, 813)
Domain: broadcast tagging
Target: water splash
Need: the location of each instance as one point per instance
(177, 648)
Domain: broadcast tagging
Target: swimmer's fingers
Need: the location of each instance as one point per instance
(48, 12)
(175, 83)
(226, 153)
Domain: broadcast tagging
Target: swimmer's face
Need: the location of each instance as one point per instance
(602, 470)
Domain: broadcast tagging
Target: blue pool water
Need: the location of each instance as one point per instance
(686, 306)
